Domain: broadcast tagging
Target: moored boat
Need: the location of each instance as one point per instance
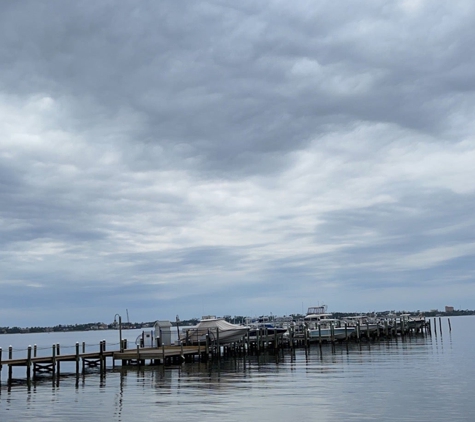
(265, 326)
(215, 329)
(322, 325)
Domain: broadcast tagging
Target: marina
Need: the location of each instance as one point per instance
(425, 377)
(215, 338)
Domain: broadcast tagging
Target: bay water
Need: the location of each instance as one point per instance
(418, 378)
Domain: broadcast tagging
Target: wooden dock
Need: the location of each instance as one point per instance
(36, 365)
(176, 354)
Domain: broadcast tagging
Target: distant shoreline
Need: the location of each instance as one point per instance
(97, 326)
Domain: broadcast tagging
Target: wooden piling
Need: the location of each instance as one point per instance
(28, 364)
(57, 354)
(440, 325)
(10, 369)
(53, 359)
(77, 358)
(450, 326)
(101, 356)
(104, 347)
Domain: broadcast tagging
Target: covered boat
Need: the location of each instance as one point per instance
(217, 329)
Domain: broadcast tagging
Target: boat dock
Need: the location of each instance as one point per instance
(36, 365)
(184, 352)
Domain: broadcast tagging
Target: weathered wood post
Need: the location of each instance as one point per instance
(138, 355)
(53, 359)
(450, 327)
(10, 369)
(206, 345)
(248, 342)
(58, 353)
(440, 325)
(178, 327)
(346, 331)
(84, 347)
(101, 356)
(28, 364)
(435, 326)
(256, 341)
(77, 358)
(217, 342)
(35, 348)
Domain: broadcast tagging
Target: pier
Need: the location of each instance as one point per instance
(183, 351)
(36, 365)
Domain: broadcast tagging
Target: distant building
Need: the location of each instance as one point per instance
(449, 309)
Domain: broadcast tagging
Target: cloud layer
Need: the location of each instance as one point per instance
(197, 158)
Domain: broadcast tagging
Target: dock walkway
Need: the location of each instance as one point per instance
(137, 356)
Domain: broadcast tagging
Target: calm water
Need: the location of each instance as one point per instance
(423, 378)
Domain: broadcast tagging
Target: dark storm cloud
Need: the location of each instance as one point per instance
(233, 81)
(159, 153)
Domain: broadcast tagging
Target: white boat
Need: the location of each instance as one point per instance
(216, 329)
(322, 325)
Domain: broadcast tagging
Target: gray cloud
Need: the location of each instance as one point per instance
(220, 158)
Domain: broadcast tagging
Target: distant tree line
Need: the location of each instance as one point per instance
(193, 321)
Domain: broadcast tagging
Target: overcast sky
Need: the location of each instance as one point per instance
(242, 158)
